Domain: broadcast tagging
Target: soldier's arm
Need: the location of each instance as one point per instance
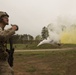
(5, 34)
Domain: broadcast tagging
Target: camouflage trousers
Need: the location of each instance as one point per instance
(5, 69)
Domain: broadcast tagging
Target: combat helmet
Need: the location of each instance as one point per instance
(3, 14)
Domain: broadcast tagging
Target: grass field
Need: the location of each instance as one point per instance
(44, 46)
(45, 62)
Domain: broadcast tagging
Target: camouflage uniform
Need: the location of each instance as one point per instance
(5, 69)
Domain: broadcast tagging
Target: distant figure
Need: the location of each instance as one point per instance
(5, 68)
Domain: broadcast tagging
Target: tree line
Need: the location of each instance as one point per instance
(27, 38)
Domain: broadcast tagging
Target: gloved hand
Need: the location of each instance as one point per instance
(17, 28)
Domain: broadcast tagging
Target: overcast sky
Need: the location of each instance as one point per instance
(32, 15)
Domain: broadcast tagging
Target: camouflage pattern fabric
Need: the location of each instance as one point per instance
(5, 69)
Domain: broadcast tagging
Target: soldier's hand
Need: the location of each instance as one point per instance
(15, 27)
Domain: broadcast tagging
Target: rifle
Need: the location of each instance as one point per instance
(10, 52)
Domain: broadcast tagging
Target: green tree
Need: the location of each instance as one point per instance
(38, 37)
(30, 37)
(44, 33)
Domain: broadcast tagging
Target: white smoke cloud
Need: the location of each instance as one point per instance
(54, 35)
(58, 29)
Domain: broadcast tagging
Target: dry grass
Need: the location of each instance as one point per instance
(45, 63)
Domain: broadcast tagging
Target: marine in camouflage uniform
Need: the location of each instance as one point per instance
(5, 69)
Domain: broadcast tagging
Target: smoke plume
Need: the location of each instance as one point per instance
(65, 28)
